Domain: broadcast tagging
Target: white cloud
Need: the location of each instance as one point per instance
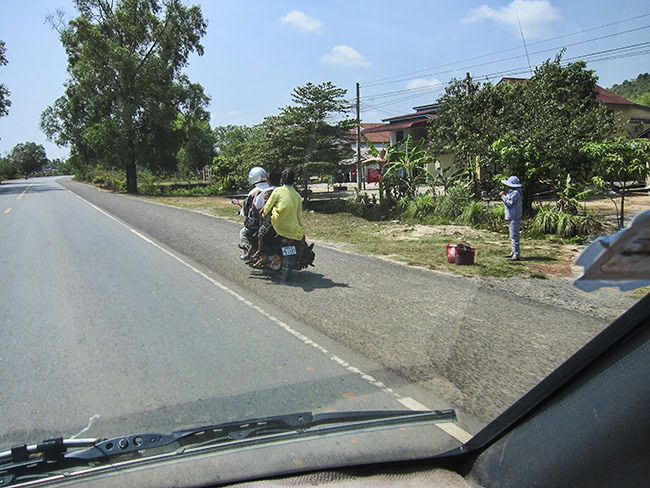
(344, 56)
(424, 82)
(536, 16)
(302, 21)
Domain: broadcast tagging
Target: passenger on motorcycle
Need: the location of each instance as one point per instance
(248, 235)
(275, 180)
(285, 208)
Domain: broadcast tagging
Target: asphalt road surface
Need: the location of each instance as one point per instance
(105, 332)
(141, 315)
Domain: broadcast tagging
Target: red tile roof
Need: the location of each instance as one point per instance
(376, 135)
(608, 96)
(602, 94)
(403, 124)
(422, 113)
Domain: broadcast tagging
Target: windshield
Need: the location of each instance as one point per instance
(220, 211)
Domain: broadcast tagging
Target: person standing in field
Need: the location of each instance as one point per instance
(514, 209)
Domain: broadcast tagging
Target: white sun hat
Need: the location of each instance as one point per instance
(512, 182)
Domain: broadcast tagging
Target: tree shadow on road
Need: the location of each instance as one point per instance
(307, 280)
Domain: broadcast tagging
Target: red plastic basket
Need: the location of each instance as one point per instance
(451, 253)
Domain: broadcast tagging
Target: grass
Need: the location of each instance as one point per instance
(639, 293)
(403, 242)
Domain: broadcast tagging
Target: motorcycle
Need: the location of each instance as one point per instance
(295, 255)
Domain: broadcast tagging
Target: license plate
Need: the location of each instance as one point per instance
(289, 251)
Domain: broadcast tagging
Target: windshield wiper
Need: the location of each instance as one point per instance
(57, 454)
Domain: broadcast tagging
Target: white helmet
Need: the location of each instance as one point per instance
(256, 175)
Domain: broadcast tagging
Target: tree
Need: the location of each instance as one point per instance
(533, 129)
(408, 169)
(5, 103)
(304, 136)
(28, 157)
(7, 170)
(619, 161)
(634, 89)
(125, 87)
(234, 158)
(198, 139)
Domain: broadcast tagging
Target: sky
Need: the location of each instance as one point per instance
(401, 53)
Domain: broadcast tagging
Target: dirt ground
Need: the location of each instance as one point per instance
(634, 203)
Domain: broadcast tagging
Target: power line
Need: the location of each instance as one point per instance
(412, 90)
(372, 82)
(519, 56)
(598, 56)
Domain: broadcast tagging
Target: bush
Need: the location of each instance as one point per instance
(147, 183)
(550, 220)
(360, 206)
(452, 205)
(475, 213)
(7, 171)
(421, 209)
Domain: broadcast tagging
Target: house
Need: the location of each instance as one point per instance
(379, 139)
(416, 125)
(634, 118)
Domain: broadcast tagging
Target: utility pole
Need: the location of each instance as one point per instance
(468, 82)
(358, 142)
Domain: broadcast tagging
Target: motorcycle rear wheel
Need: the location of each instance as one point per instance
(285, 272)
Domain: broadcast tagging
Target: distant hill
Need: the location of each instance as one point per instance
(636, 90)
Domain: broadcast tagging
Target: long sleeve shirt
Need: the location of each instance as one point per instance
(513, 203)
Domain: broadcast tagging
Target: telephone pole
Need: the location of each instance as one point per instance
(468, 81)
(358, 142)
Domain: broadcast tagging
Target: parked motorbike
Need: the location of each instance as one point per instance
(295, 255)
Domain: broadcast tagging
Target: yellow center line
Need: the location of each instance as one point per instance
(8, 210)
(21, 195)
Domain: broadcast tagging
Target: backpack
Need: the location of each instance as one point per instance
(251, 213)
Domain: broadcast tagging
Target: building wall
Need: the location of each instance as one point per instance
(624, 114)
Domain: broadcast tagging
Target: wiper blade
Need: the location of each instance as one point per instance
(57, 454)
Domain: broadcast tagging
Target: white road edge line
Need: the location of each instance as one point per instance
(448, 427)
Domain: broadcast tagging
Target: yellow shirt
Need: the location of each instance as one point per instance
(286, 206)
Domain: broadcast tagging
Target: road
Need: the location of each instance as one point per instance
(140, 313)
(105, 332)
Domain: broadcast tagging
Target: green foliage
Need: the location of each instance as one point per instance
(446, 177)
(550, 220)
(5, 103)
(147, 183)
(474, 213)
(7, 170)
(28, 157)
(452, 205)
(360, 206)
(618, 161)
(532, 129)
(107, 179)
(643, 99)
(637, 90)
(420, 209)
(126, 88)
(407, 169)
(572, 194)
(302, 136)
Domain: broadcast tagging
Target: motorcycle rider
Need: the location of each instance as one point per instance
(285, 208)
(248, 235)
